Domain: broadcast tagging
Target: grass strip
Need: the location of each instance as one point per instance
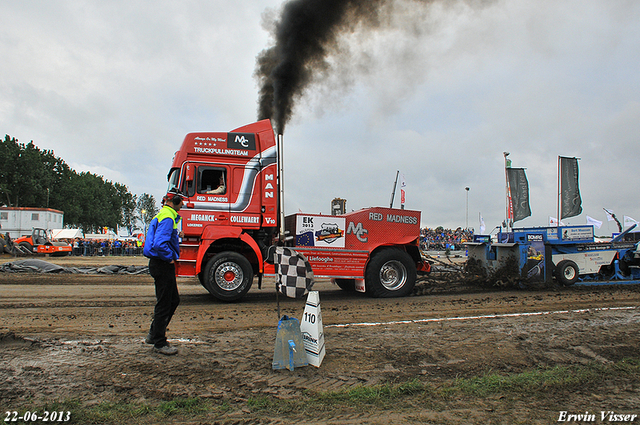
(132, 412)
(389, 396)
(557, 378)
(392, 396)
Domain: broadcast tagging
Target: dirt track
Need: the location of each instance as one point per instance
(81, 337)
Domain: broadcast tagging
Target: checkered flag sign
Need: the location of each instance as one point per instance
(294, 277)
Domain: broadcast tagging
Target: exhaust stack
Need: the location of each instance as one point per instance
(281, 187)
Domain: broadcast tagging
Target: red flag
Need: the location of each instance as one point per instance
(403, 184)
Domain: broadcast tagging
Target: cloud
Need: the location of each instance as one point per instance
(437, 92)
(538, 81)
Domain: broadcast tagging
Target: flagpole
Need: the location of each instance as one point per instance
(393, 194)
(508, 200)
(558, 196)
(467, 214)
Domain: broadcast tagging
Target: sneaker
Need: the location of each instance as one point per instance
(167, 350)
(148, 339)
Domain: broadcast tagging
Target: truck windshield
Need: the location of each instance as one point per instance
(174, 180)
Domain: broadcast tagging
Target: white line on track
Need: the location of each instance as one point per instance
(489, 316)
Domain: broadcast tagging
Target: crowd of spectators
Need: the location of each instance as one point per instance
(440, 239)
(104, 247)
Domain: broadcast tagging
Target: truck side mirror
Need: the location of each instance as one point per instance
(189, 173)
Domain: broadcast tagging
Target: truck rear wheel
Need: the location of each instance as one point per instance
(228, 276)
(567, 272)
(390, 273)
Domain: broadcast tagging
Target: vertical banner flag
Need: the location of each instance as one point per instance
(570, 201)
(403, 184)
(482, 226)
(519, 191)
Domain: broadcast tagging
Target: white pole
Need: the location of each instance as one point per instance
(508, 200)
(281, 184)
(466, 223)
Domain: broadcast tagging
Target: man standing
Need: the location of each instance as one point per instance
(163, 249)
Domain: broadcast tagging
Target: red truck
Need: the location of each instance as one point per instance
(232, 215)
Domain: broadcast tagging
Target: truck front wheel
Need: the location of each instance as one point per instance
(228, 276)
(567, 272)
(390, 273)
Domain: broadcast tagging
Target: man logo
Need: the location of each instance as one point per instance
(244, 141)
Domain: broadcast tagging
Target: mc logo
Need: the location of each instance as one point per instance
(246, 141)
(360, 232)
(242, 141)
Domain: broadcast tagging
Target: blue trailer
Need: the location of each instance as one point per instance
(568, 254)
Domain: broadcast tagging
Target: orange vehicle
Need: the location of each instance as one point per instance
(233, 213)
(39, 242)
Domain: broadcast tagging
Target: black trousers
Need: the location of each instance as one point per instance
(167, 299)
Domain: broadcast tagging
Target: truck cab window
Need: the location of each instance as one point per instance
(173, 178)
(212, 180)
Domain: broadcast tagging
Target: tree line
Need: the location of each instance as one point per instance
(31, 177)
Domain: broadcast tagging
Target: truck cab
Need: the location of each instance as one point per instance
(230, 213)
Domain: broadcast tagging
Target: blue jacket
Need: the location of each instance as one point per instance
(162, 237)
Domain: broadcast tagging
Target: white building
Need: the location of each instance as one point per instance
(21, 221)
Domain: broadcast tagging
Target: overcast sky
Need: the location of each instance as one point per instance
(438, 93)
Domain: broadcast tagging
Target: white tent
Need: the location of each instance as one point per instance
(66, 233)
(101, 236)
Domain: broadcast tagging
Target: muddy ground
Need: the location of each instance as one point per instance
(80, 337)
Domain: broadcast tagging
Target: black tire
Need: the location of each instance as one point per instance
(390, 273)
(348, 285)
(567, 272)
(228, 276)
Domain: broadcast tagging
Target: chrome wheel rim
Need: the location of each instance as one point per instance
(393, 275)
(229, 276)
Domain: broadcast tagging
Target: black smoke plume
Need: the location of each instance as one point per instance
(308, 32)
(304, 35)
